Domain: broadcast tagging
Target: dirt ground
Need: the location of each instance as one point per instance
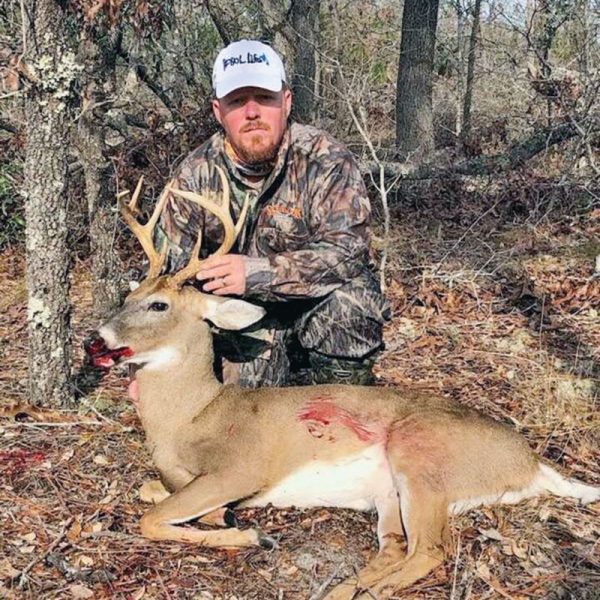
(496, 300)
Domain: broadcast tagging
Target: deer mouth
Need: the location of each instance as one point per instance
(101, 355)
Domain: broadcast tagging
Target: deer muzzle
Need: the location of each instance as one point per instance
(100, 355)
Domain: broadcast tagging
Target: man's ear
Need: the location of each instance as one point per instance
(287, 102)
(216, 106)
(231, 313)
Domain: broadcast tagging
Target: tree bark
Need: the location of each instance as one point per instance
(49, 112)
(461, 68)
(468, 99)
(304, 34)
(99, 59)
(414, 107)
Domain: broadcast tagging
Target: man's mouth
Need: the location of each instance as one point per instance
(102, 356)
(255, 127)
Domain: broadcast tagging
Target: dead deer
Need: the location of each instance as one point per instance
(414, 458)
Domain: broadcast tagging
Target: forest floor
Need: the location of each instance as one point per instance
(496, 300)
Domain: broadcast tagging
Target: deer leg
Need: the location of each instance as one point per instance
(153, 492)
(201, 497)
(389, 533)
(425, 516)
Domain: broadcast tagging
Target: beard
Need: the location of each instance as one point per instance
(258, 148)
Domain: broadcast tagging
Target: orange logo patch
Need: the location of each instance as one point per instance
(282, 209)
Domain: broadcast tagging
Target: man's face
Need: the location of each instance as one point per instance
(254, 121)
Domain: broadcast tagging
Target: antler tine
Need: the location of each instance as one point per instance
(144, 233)
(221, 211)
(190, 270)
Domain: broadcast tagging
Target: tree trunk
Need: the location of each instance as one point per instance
(582, 37)
(48, 107)
(304, 33)
(461, 69)
(101, 201)
(468, 100)
(99, 188)
(414, 109)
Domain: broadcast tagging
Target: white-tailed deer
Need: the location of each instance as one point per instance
(414, 458)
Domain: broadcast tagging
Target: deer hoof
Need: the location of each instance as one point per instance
(266, 541)
(229, 518)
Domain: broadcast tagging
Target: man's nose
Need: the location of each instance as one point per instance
(252, 109)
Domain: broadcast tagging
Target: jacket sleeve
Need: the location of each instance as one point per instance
(337, 249)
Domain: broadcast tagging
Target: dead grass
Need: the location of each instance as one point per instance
(497, 307)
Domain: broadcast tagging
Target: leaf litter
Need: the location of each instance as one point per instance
(506, 321)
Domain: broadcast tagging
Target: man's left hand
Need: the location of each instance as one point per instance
(226, 275)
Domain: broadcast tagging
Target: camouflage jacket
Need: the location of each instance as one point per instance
(306, 233)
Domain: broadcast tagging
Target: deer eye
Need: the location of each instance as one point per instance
(158, 306)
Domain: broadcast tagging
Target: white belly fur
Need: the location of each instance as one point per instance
(351, 482)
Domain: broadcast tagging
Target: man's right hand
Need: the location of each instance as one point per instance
(227, 275)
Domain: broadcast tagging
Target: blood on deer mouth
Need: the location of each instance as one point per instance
(101, 355)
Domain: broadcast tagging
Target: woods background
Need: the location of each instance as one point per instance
(476, 125)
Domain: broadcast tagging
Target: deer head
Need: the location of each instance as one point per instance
(162, 312)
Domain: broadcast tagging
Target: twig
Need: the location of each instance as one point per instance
(10, 94)
(464, 235)
(50, 424)
(321, 589)
(381, 188)
(455, 573)
(23, 575)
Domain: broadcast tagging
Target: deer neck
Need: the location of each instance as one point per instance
(174, 390)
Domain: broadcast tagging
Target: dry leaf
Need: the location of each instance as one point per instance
(518, 551)
(85, 561)
(199, 559)
(483, 571)
(107, 499)
(7, 571)
(80, 592)
(101, 460)
(491, 534)
(93, 528)
(67, 455)
(138, 594)
(74, 531)
(26, 549)
(507, 547)
(28, 537)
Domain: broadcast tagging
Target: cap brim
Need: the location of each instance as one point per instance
(258, 80)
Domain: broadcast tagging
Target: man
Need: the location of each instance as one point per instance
(304, 249)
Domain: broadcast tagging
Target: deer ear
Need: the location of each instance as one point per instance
(231, 313)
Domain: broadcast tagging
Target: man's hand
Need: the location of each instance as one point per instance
(226, 275)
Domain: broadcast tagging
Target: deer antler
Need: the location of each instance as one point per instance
(144, 232)
(221, 211)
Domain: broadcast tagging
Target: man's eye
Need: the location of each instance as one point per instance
(158, 306)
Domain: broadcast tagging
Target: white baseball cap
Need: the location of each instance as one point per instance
(247, 63)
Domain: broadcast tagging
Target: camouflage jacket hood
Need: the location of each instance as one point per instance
(307, 231)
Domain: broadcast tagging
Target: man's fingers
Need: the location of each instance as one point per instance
(226, 291)
(216, 261)
(212, 273)
(213, 285)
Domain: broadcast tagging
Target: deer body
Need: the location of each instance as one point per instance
(412, 457)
